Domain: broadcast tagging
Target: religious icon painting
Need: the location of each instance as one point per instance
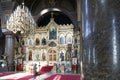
(69, 39)
(43, 56)
(30, 56)
(43, 41)
(62, 39)
(61, 56)
(37, 57)
(52, 33)
(37, 41)
(30, 41)
(68, 66)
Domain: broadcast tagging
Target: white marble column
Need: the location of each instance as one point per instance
(9, 50)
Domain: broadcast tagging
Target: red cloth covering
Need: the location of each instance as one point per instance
(19, 67)
(45, 69)
(74, 67)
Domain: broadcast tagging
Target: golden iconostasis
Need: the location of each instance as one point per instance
(50, 44)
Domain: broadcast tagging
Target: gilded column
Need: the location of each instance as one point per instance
(9, 50)
(101, 39)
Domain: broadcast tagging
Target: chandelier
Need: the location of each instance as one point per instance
(21, 20)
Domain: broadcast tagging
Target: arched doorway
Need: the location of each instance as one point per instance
(52, 56)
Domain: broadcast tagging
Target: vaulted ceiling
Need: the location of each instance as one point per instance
(67, 13)
(36, 5)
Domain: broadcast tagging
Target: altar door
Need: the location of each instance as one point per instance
(52, 56)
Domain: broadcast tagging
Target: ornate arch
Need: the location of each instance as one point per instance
(61, 10)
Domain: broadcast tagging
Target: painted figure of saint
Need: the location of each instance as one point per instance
(68, 67)
(43, 56)
(43, 41)
(62, 56)
(52, 34)
(30, 41)
(68, 55)
(37, 57)
(30, 56)
(37, 41)
(61, 40)
(59, 68)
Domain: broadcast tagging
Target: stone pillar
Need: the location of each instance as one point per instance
(9, 50)
(101, 39)
(79, 23)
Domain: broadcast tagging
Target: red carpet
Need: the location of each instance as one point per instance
(63, 77)
(5, 73)
(53, 77)
(28, 77)
(18, 76)
(25, 76)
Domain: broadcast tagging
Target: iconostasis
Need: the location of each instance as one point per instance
(50, 44)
